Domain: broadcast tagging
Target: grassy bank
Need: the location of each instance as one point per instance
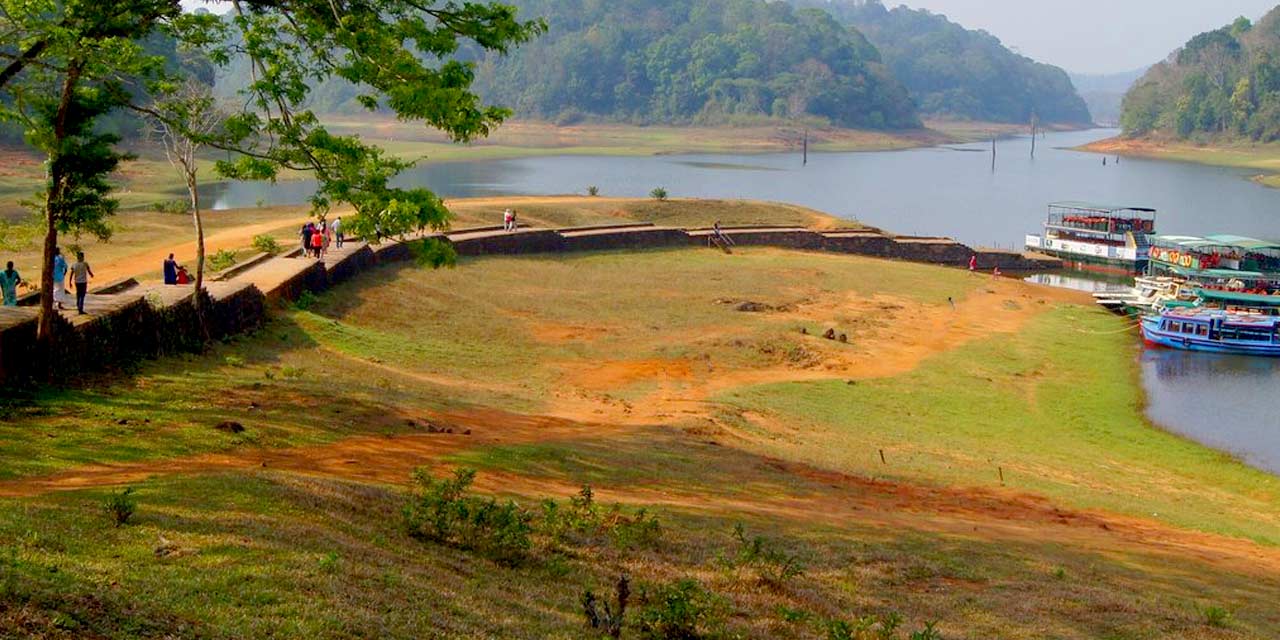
(1263, 158)
(692, 384)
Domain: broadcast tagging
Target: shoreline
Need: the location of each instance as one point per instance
(1262, 159)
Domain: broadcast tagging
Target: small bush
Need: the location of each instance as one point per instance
(222, 260)
(329, 562)
(680, 611)
(440, 511)
(1216, 616)
(234, 361)
(870, 628)
(593, 190)
(120, 506)
(774, 567)
(582, 522)
(929, 632)
(290, 372)
(305, 301)
(658, 194)
(266, 244)
(171, 206)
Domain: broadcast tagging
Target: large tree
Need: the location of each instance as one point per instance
(72, 61)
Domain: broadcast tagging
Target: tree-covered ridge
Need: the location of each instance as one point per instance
(960, 73)
(1222, 83)
(694, 60)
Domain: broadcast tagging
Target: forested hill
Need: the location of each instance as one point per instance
(1222, 84)
(707, 61)
(960, 73)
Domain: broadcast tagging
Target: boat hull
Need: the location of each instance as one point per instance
(1153, 335)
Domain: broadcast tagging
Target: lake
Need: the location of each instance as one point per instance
(1225, 402)
(948, 191)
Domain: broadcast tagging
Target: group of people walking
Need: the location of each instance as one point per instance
(316, 238)
(509, 222)
(80, 272)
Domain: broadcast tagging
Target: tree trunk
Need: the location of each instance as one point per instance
(52, 204)
(198, 296)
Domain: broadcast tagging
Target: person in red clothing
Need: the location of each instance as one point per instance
(317, 242)
(973, 262)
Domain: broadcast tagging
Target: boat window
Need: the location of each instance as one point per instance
(1202, 330)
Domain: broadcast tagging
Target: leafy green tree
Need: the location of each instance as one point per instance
(72, 62)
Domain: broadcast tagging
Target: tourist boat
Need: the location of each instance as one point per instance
(1097, 237)
(1213, 330)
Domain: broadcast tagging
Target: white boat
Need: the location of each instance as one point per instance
(1095, 236)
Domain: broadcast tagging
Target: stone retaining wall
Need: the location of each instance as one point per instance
(139, 328)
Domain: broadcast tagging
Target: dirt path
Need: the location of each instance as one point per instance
(150, 259)
(830, 498)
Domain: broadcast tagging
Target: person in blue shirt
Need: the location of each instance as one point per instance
(170, 270)
(9, 281)
(59, 278)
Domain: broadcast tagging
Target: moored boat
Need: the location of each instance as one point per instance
(1096, 236)
(1214, 331)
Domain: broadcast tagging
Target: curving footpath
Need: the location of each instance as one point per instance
(127, 321)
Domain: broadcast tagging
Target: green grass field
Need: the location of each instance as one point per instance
(635, 373)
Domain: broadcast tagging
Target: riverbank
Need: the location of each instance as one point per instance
(1264, 158)
(964, 417)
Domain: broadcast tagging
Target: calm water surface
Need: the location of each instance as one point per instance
(1226, 402)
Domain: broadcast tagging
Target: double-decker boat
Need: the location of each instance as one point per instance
(1214, 330)
(1096, 236)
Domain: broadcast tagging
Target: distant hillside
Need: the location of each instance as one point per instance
(1103, 92)
(706, 61)
(956, 72)
(1222, 84)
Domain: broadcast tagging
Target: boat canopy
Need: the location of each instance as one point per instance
(1223, 274)
(1252, 244)
(1094, 207)
(1221, 240)
(1238, 297)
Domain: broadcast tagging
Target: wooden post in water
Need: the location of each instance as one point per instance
(1035, 124)
(993, 154)
(806, 147)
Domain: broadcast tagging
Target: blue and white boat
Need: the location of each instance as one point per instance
(1213, 330)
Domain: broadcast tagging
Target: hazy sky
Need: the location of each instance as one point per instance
(1094, 36)
(1090, 36)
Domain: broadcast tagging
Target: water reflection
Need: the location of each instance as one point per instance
(1227, 402)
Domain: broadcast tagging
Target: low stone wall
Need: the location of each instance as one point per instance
(612, 238)
(858, 243)
(348, 267)
(500, 242)
(301, 274)
(932, 250)
(786, 237)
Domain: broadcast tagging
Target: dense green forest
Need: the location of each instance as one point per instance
(959, 73)
(694, 61)
(1222, 84)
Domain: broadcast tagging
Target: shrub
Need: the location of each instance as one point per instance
(593, 190)
(603, 616)
(120, 506)
(171, 206)
(264, 243)
(440, 511)
(872, 628)
(234, 361)
(929, 632)
(683, 611)
(305, 300)
(221, 260)
(290, 372)
(773, 566)
(658, 194)
(1216, 616)
(583, 522)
